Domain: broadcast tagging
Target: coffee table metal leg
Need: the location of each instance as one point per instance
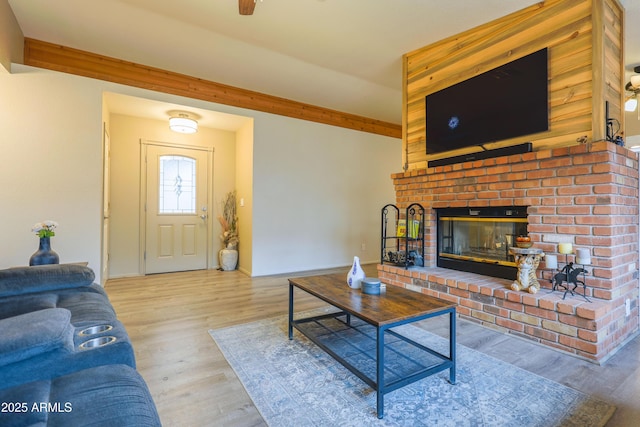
(452, 346)
(290, 311)
(380, 373)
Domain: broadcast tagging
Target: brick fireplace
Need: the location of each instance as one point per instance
(585, 194)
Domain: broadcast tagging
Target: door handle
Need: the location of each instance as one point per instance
(204, 217)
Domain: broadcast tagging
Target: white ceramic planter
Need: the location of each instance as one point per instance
(228, 259)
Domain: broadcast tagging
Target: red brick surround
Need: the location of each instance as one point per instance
(585, 194)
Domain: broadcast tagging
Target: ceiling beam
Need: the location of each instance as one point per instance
(73, 61)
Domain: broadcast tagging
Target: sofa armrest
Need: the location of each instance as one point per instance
(23, 280)
(31, 334)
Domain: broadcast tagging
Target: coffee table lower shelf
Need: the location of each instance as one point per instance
(381, 357)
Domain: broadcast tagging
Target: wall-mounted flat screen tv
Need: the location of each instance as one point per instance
(506, 102)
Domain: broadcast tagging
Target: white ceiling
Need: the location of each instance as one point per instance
(339, 54)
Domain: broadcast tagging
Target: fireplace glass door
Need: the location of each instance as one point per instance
(479, 241)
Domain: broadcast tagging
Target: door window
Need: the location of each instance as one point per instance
(177, 185)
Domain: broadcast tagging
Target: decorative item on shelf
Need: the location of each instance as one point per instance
(568, 278)
(551, 262)
(371, 286)
(416, 259)
(583, 257)
(44, 255)
(356, 274)
(524, 242)
(401, 229)
(411, 229)
(228, 255)
(565, 248)
(396, 257)
(527, 261)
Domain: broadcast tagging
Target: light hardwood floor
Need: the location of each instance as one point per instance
(168, 317)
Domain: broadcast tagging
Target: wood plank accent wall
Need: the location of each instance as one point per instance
(585, 42)
(73, 61)
(608, 64)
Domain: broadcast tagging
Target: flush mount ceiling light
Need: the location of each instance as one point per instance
(182, 122)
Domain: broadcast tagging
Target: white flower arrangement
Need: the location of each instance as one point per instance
(45, 228)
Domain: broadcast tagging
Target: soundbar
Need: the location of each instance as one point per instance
(526, 147)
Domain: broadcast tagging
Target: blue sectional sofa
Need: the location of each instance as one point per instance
(64, 356)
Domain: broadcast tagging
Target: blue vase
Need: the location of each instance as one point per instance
(44, 254)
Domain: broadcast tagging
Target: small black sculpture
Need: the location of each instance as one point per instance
(558, 279)
(570, 275)
(573, 276)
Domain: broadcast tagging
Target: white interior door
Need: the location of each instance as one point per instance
(177, 209)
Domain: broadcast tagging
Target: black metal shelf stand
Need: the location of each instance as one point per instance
(402, 246)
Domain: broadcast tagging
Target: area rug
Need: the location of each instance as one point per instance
(295, 383)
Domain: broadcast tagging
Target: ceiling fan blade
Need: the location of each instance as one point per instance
(246, 6)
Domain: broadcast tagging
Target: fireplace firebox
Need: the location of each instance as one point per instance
(477, 240)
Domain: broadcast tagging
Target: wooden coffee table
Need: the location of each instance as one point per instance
(359, 344)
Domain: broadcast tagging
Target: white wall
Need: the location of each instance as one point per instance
(312, 192)
(50, 145)
(319, 194)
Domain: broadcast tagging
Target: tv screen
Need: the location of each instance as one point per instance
(506, 102)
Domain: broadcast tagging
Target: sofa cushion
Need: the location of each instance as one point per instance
(21, 304)
(110, 396)
(87, 308)
(88, 305)
(34, 333)
(21, 280)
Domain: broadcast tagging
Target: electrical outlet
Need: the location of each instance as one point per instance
(627, 307)
(363, 246)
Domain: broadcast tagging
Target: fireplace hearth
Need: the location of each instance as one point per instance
(586, 195)
(477, 240)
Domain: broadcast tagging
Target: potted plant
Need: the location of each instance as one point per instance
(228, 255)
